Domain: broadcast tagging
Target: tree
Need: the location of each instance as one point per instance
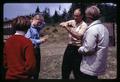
(56, 17)
(108, 12)
(37, 10)
(47, 17)
(64, 15)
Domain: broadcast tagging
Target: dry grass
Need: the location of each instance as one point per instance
(52, 53)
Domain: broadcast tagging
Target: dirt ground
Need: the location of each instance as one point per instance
(52, 54)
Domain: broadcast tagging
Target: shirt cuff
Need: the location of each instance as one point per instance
(81, 49)
(38, 41)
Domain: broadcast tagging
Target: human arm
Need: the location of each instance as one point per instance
(30, 63)
(78, 35)
(33, 38)
(89, 43)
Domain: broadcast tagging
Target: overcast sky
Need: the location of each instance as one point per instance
(12, 10)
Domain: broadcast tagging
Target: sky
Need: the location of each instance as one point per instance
(12, 10)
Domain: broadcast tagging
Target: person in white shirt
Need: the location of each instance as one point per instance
(71, 58)
(95, 46)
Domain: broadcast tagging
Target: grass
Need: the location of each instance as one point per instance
(52, 53)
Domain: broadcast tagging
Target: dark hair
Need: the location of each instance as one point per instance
(21, 23)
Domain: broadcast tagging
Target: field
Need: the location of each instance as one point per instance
(52, 53)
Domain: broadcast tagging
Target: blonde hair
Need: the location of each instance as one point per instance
(37, 16)
(93, 12)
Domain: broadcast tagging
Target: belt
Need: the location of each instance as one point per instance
(78, 45)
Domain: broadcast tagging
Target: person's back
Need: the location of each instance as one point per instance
(95, 45)
(19, 56)
(16, 59)
(95, 62)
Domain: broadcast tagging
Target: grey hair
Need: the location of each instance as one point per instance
(93, 11)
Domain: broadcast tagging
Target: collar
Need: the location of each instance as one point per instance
(94, 23)
(20, 33)
(32, 26)
(79, 23)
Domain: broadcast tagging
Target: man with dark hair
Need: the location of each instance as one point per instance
(72, 59)
(95, 45)
(19, 56)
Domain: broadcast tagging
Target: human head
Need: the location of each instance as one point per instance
(37, 20)
(78, 15)
(92, 13)
(21, 23)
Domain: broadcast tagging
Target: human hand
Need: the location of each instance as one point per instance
(70, 25)
(63, 24)
(44, 38)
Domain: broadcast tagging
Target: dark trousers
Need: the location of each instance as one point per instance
(2, 72)
(71, 62)
(38, 59)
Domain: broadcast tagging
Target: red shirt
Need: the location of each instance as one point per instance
(19, 57)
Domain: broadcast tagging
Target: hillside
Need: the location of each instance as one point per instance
(52, 53)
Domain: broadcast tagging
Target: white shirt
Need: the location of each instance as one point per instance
(20, 33)
(80, 28)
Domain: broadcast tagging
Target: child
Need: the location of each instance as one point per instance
(37, 23)
(19, 56)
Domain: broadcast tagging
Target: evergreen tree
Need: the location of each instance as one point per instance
(64, 15)
(108, 12)
(47, 17)
(56, 17)
(37, 10)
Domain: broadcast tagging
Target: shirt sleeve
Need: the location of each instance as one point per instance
(82, 30)
(89, 43)
(29, 35)
(30, 58)
(79, 34)
(70, 22)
